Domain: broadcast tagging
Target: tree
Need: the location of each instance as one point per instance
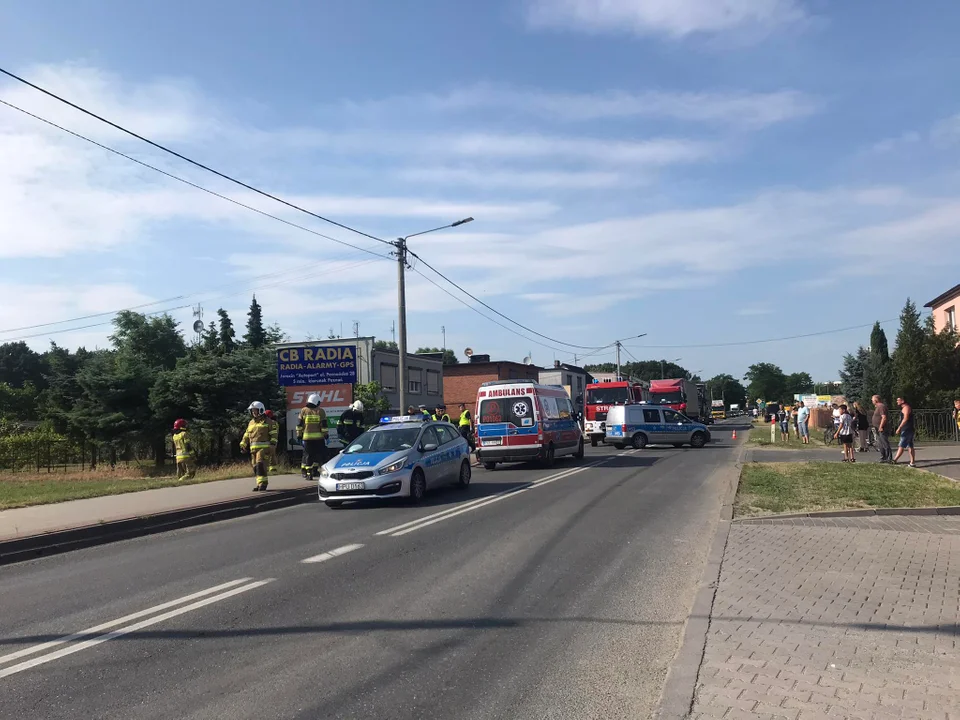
(386, 345)
(766, 381)
(228, 337)
(909, 367)
(211, 338)
(255, 336)
(63, 390)
(799, 383)
(727, 388)
(375, 403)
(878, 375)
(18, 403)
(19, 365)
(449, 356)
(853, 375)
(942, 366)
(644, 369)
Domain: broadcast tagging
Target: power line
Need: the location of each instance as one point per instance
(190, 183)
(505, 317)
(189, 160)
(767, 340)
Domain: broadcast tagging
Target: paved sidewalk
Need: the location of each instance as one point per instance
(29, 521)
(941, 459)
(835, 618)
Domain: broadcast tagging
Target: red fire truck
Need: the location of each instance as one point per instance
(683, 396)
(601, 395)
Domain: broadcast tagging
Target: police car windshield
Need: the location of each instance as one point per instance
(668, 398)
(384, 440)
(607, 396)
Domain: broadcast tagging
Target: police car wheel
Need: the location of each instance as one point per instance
(418, 486)
(465, 474)
(579, 454)
(639, 441)
(334, 503)
(698, 440)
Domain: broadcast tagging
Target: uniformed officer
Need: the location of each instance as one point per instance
(350, 424)
(256, 441)
(441, 414)
(466, 425)
(312, 431)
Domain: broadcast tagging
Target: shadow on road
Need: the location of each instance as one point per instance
(449, 495)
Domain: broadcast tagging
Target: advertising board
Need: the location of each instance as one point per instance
(308, 365)
(334, 399)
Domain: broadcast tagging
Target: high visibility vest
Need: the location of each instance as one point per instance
(274, 432)
(313, 424)
(465, 418)
(182, 446)
(442, 418)
(257, 436)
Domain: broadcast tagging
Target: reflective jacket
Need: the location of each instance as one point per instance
(312, 424)
(182, 445)
(442, 418)
(258, 435)
(465, 419)
(350, 425)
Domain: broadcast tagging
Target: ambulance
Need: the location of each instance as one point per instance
(520, 420)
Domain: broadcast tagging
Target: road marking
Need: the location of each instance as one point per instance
(114, 623)
(498, 497)
(457, 508)
(63, 652)
(333, 553)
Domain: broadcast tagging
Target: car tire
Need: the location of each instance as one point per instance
(489, 466)
(549, 457)
(580, 453)
(593, 442)
(639, 441)
(463, 481)
(619, 446)
(418, 486)
(334, 504)
(698, 440)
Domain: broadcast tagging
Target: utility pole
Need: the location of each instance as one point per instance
(356, 329)
(618, 360)
(393, 331)
(401, 253)
(443, 329)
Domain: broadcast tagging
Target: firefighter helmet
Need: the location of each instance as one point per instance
(256, 408)
(179, 424)
(313, 400)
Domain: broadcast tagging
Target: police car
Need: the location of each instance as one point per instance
(402, 457)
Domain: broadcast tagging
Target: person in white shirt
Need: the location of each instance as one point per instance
(845, 433)
(803, 420)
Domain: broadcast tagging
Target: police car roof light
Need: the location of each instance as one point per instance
(401, 419)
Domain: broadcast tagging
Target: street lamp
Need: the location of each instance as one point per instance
(675, 360)
(618, 343)
(401, 253)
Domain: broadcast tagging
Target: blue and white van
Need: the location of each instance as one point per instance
(648, 424)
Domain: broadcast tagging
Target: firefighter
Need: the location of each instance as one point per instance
(257, 441)
(183, 448)
(350, 424)
(274, 441)
(312, 431)
(441, 414)
(466, 425)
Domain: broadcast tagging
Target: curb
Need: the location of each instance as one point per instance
(679, 688)
(863, 512)
(59, 541)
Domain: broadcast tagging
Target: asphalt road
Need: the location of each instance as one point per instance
(536, 593)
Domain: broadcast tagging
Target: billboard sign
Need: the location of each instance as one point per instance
(317, 365)
(334, 399)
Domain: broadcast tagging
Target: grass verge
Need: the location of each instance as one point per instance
(767, 488)
(25, 489)
(760, 437)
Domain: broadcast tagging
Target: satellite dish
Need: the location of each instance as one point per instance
(527, 360)
(198, 326)
(468, 352)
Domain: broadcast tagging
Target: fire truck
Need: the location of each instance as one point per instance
(600, 396)
(683, 396)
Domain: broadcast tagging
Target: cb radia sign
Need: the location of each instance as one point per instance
(317, 365)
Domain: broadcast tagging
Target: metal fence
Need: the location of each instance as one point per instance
(931, 425)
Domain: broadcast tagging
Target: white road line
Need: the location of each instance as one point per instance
(63, 652)
(114, 623)
(333, 553)
(498, 497)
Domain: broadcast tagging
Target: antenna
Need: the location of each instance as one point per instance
(393, 331)
(356, 328)
(198, 323)
(528, 360)
(443, 329)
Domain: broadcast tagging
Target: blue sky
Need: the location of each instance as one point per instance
(705, 171)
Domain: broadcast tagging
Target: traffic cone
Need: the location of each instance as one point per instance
(734, 434)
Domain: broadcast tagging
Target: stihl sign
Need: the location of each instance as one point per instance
(330, 395)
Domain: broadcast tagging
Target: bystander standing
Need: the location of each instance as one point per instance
(862, 424)
(906, 431)
(783, 418)
(803, 423)
(845, 433)
(881, 422)
(956, 415)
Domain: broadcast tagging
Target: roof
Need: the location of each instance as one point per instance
(454, 369)
(948, 295)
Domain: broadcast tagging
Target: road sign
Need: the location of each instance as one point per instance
(317, 365)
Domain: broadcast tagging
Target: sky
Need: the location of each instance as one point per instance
(711, 173)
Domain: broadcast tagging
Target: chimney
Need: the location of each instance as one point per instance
(556, 363)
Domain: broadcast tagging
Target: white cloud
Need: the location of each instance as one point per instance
(672, 18)
(741, 109)
(521, 179)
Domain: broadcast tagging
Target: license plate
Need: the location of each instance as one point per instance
(493, 441)
(351, 486)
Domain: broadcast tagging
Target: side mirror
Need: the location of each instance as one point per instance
(428, 448)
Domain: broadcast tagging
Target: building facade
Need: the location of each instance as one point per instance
(944, 309)
(571, 377)
(461, 382)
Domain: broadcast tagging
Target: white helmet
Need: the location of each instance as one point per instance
(314, 399)
(256, 408)
(357, 406)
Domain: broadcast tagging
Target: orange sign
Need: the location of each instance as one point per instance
(331, 396)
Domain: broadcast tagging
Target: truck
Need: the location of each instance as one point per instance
(681, 395)
(601, 396)
(716, 410)
(735, 409)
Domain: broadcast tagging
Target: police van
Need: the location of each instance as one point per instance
(650, 424)
(521, 420)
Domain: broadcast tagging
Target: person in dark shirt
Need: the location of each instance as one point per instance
(881, 423)
(906, 432)
(863, 426)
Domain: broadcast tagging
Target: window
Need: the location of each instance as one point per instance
(388, 377)
(564, 409)
(651, 417)
(550, 408)
(950, 315)
(672, 416)
(429, 437)
(415, 381)
(569, 380)
(446, 434)
(606, 395)
(433, 382)
(579, 383)
(515, 410)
